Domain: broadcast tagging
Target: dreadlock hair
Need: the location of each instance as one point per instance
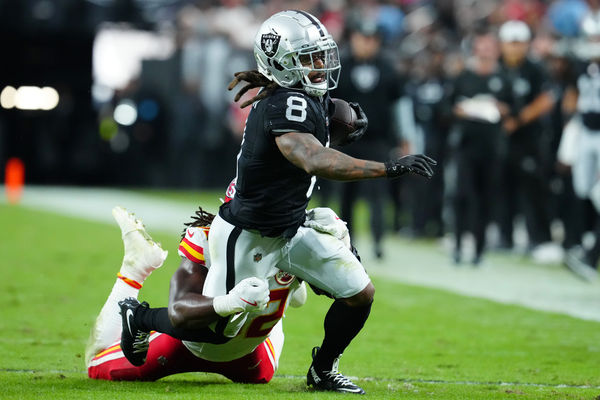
(255, 79)
(200, 218)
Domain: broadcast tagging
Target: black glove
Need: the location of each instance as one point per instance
(417, 164)
(361, 123)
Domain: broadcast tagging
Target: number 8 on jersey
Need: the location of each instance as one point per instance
(296, 109)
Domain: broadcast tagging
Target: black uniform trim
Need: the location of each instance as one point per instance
(314, 21)
(233, 237)
(230, 279)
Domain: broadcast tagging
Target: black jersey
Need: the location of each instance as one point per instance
(429, 98)
(271, 193)
(470, 84)
(376, 85)
(528, 81)
(588, 101)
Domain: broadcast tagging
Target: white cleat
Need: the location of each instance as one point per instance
(142, 254)
(127, 221)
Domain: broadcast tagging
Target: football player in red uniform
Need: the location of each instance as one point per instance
(254, 340)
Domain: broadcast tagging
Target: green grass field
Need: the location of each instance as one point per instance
(418, 343)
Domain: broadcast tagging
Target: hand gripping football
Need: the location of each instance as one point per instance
(342, 122)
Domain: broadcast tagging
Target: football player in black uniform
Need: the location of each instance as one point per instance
(565, 205)
(480, 95)
(285, 146)
(425, 116)
(262, 233)
(369, 78)
(524, 180)
(583, 96)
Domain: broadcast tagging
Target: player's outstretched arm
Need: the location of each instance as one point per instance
(190, 309)
(306, 152)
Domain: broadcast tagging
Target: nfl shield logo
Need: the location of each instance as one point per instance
(257, 257)
(269, 42)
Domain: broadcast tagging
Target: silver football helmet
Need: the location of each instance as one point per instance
(588, 45)
(293, 47)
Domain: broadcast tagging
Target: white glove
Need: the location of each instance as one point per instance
(251, 294)
(325, 220)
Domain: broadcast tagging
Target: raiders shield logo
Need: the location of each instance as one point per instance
(269, 42)
(284, 278)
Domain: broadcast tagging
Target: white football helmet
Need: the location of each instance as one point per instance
(290, 45)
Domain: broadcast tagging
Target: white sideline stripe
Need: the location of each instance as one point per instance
(550, 288)
(21, 340)
(545, 288)
(354, 378)
(96, 204)
(477, 383)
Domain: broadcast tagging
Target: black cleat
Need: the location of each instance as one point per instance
(332, 380)
(134, 341)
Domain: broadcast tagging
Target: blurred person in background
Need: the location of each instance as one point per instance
(564, 16)
(481, 97)
(565, 206)
(214, 50)
(369, 77)
(424, 117)
(583, 96)
(524, 187)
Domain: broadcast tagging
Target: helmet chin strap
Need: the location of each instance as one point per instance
(311, 89)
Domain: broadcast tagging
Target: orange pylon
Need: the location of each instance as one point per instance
(14, 179)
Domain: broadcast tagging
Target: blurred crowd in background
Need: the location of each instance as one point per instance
(142, 101)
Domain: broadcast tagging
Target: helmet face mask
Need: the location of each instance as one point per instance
(293, 48)
(321, 68)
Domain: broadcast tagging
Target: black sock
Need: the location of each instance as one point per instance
(342, 324)
(157, 319)
(153, 319)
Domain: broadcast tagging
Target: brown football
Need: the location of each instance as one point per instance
(341, 122)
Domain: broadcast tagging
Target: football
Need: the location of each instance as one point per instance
(341, 122)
